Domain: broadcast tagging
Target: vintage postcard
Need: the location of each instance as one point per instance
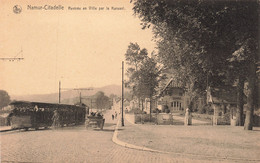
(134, 81)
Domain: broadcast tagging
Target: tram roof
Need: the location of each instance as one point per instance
(41, 104)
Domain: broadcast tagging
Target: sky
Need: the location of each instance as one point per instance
(80, 48)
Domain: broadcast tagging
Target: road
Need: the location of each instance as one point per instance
(73, 144)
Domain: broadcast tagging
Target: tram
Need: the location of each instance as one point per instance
(37, 115)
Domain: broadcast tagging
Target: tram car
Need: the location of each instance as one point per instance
(37, 115)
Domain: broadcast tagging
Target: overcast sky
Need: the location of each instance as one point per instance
(80, 48)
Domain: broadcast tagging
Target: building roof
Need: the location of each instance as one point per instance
(41, 104)
(169, 83)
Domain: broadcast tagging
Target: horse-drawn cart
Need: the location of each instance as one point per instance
(95, 122)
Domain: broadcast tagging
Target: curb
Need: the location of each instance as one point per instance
(127, 145)
(6, 130)
(131, 146)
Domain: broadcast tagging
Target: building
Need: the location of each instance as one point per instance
(173, 97)
(224, 102)
(117, 105)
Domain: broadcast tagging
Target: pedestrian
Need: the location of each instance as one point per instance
(187, 119)
(112, 116)
(56, 119)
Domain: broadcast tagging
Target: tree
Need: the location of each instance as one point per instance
(134, 57)
(112, 96)
(128, 95)
(102, 101)
(143, 72)
(183, 40)
(147, 80)
(4, 99)
(198, 38)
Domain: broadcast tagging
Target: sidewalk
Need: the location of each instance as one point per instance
(225, 143)
(5, 128)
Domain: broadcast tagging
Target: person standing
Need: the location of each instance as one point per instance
(187, 119)
(112, 116)
(56, 119)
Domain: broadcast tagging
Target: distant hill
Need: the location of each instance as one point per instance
(68, 96)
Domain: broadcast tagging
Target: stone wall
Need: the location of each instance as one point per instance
(161, 119)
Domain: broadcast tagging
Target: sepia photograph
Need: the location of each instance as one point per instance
(130, 81)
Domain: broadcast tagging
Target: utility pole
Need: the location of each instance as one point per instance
(81, 89)
(122, 93)
(80, 97)
(59, 91)
(78, 89)
(91, 104)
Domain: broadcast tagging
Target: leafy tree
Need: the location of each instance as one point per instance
(198, 38)
(112, 96)
(148, 77)
(134, 57)
(4, 99)
(143, 72)
(102, 101)
(128, 95)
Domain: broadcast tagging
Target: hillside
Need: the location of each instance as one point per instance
(70, 94)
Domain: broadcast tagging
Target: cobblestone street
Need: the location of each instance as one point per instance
(73, 144)
(78, 144)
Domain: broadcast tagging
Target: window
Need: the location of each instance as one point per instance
(177, 103)
(171, 104)
(174, 104)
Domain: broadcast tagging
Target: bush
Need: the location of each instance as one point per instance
(135, 111)
(167, 110)
(203, 117)
(140, 118)
(206, 109)
(202, 110)
(156, 111)
(3, 121)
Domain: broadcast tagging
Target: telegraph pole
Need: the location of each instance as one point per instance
(78, 89)
(91, 104)
(59, 91)
(122, 112)
(80, 97)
